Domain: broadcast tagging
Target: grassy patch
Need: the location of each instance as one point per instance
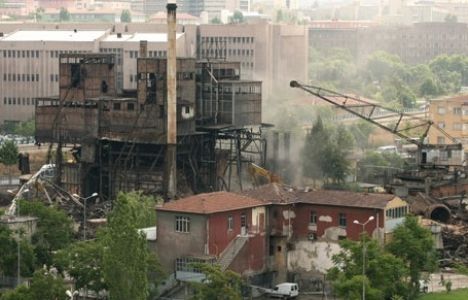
(453, 295)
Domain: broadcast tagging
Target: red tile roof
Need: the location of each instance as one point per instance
(211, 203)
(281, 194)
(273, 193)
(346, 198)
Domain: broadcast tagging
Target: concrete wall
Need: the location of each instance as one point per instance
(171, 244)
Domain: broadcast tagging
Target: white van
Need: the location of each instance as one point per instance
(286, 290)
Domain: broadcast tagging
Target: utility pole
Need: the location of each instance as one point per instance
(363, 254)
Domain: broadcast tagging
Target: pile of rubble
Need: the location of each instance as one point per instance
(455, 239)
(451, 216)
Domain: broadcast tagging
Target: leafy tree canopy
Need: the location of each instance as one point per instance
(8, 153)
(64, 15)
(27, 128)
(414, 245)
(9, 255)
(126, 257)
(385, 273)
(43, 286)
(125, 16)
(54, 229)
(225, 285)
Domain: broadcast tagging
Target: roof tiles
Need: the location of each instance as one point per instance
(211, 203)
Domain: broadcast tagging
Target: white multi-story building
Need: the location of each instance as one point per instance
(273, 54)
(29, 62)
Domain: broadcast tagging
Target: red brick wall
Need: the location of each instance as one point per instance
(302, 219)
(252, 256)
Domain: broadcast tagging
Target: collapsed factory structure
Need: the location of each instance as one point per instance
(190, 126)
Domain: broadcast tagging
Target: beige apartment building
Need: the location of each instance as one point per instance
(451, 115)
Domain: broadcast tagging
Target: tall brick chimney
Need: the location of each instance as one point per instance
(170, 177)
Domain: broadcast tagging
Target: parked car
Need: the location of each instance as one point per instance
(286, 290)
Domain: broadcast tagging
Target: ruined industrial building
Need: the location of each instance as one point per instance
(121, 139)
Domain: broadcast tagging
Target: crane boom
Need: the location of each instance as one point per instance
(369, 111)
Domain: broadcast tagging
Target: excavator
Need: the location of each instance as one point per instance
(261, 175)
(429, 168)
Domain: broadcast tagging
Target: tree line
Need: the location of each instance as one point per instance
(385, 77)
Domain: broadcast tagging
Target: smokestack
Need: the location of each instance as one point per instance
(171, 150)
(275, 149)
(143, 48)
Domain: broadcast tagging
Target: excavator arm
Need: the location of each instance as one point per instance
(378, 114)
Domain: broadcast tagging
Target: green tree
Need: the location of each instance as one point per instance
(19, 293)
(449, 18)
(237, 17)
(414, 245)
(27, 128)
(39, 13)
(225, 285)
(126, 255)
(84, 262)
(54, 229)
(313, 149)
(8, 155)
(385, 273)
(361, 132)
(215, 20)
(125, 16)
(325, 153)
(429, 88)
(279, 16)
(9, 255)
(43, 286)
(64, 15)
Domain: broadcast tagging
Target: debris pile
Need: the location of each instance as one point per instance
(455, 239)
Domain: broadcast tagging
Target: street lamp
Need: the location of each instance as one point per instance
(84, 210)
(363, 254)
(18, 243)
(71, 294)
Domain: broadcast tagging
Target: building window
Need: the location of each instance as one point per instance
(457, 111)
(230, 223)
(116, 106)
(342, 220)
(130, 106)
(313, 217)
(182, 224)
(440, 140)
(441, 110)
(441, 124)
(457, 126)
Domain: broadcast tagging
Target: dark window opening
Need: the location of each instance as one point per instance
(75, 75)
(116, 106)
(278, 248)
(104, 87)
(130, 106)
(161, 111)
(151, 88)
(342, 219)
